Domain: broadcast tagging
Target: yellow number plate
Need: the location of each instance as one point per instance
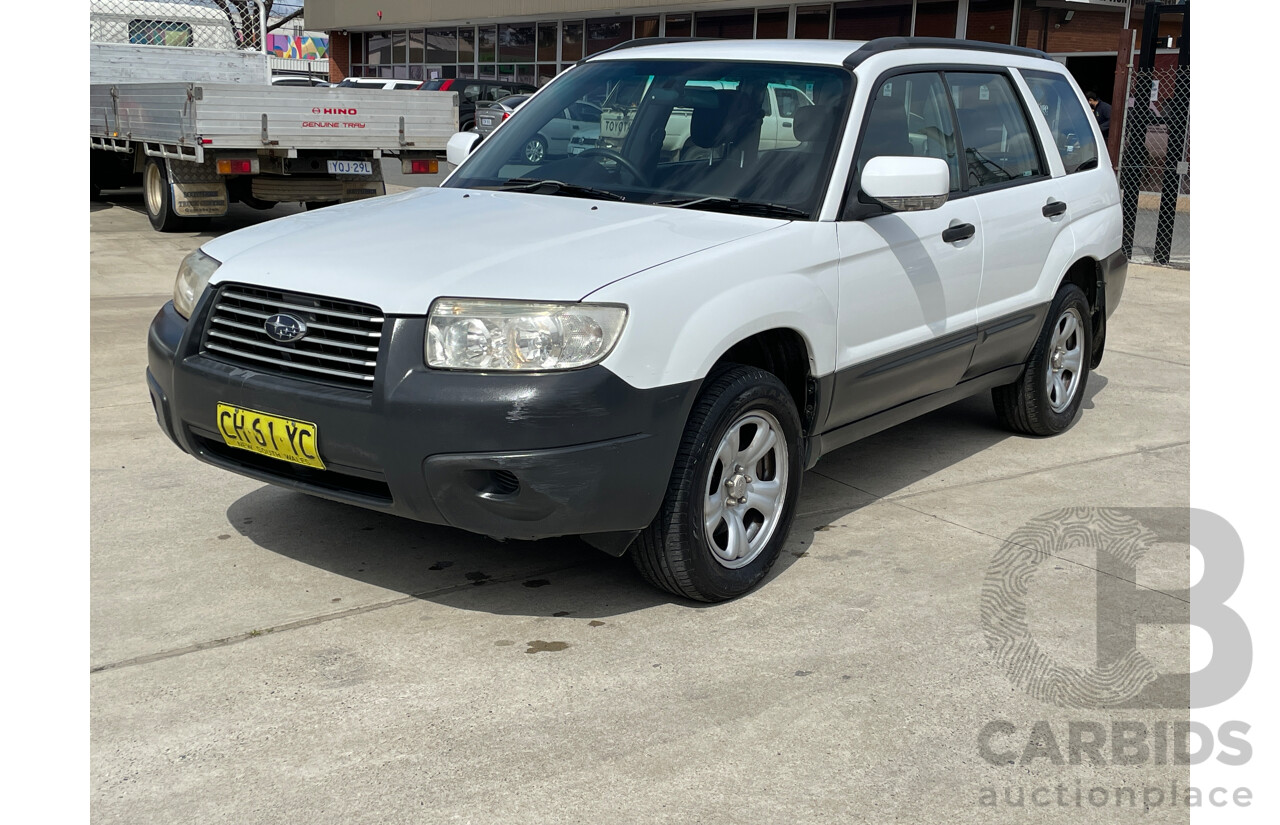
(284, 438)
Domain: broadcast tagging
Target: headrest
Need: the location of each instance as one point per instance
(707, 122)
(813, 122)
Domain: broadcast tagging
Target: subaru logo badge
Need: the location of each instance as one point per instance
(284, 328)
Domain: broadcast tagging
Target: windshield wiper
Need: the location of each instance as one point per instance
(721, 204)
(555, 187)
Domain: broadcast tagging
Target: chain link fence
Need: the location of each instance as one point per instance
(238, 25)
(1155, 166)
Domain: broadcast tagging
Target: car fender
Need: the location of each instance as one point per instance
(685, 314)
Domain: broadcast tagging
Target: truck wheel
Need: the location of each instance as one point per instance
(1047, 395)
(158, 197)
(732, 493)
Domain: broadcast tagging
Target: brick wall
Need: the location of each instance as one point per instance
(339, 56)
(1087, 31)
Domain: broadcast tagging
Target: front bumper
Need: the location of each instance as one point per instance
(505, 455)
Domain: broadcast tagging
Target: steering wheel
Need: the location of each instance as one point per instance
(616, 157)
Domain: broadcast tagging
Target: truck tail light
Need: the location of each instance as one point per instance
(237, 166)
(423, 167)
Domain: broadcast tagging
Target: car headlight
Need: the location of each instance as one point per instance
(193, 276)
(464, 334)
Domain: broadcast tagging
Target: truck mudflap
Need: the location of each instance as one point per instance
(197, 190)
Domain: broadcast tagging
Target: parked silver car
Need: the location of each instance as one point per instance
(489, 116)
(557, 135)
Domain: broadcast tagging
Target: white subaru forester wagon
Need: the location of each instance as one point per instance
(646, 345)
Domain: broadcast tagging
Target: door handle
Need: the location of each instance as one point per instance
(1053, 209)
(786, 123)
(958, 232)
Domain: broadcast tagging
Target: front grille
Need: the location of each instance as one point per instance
(340, 346)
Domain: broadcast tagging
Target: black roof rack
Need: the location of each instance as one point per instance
(891, 44)
(646, 41)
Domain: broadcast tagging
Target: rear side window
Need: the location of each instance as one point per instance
(998, 143)
(1070, 125)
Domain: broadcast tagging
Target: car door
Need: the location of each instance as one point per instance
(1021, 207)
(909, 281)
(786, 99)
(557, 131)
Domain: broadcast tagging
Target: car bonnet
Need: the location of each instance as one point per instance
(400, 252)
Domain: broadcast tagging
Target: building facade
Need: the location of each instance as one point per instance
(532, 40)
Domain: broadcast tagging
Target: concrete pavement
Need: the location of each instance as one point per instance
(259, 656)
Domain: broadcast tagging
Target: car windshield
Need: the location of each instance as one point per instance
(755, 138)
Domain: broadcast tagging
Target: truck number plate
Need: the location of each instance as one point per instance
(350, 167)
(286, 439)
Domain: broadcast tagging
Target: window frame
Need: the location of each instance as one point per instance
(852, 208)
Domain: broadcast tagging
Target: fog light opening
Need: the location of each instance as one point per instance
(494, 483)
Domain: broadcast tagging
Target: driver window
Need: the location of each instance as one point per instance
(910, 117)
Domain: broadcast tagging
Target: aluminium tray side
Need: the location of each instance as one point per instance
(333, 118)
(226, 115)
(159, 112)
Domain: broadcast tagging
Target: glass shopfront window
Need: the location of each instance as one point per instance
(730, 25)
(547, 42)
(869, 19)
(607, 32)
(679, 25)
(990, 21)
(487, 50)
(936, 18)
(571, 41)
(442, 46)
(466, 46)
(813, 23)
(516, 43)
(379, 49)
(772, 23)
(535, 51)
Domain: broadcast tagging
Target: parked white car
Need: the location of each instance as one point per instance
(298, 80)
(659, 347)
(379, 83)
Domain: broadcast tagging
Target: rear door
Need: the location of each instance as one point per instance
(1022, 209)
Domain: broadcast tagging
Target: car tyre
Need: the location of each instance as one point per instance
(733, 490)
(1046, 397)
(534, 150)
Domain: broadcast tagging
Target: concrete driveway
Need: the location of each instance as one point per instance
(259, 656)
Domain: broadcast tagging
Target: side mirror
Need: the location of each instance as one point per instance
(905, 184)
(459, 146)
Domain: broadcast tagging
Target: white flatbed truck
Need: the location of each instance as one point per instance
(199, 129)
